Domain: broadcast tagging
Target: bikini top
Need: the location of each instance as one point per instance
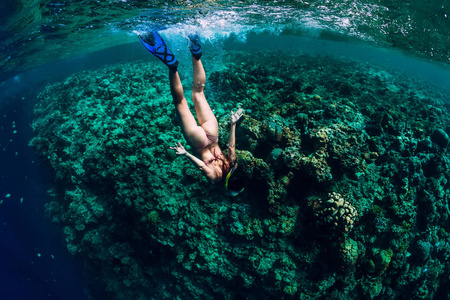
(216, 157)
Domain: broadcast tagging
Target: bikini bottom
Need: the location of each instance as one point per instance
(208, 141)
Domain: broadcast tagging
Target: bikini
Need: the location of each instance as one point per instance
(208, 141)
(216, 157)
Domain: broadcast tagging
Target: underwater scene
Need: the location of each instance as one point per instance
(326, 175)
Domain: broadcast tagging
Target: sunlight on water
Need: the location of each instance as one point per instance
(59, 28)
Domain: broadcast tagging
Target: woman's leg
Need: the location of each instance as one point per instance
(205, 116)
(194, 134)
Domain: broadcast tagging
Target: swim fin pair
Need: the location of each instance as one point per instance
(155, 44)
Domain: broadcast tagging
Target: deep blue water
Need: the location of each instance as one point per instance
(33, 261)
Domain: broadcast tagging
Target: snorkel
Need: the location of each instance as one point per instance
(231, 193)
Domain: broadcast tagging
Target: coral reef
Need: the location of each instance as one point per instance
(346, 170)
(334, 213)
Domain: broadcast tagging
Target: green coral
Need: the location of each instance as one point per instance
(153, 217)
(144, 218)
(382, 260)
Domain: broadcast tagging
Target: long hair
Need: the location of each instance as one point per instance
(226, 167)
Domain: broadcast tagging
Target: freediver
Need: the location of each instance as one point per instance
(203, 136)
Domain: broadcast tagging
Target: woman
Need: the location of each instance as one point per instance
(204, 136)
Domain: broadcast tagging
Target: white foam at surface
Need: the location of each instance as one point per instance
(238, 22)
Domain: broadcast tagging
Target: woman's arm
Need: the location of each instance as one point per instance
(232, 143)
(232, 138)
(198, 163)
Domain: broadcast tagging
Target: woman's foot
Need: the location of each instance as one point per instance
(155, 44)
(194, 46)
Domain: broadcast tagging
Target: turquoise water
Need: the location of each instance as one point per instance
(343, 149)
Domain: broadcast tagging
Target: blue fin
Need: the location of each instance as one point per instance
(155, 44)
(194, 46)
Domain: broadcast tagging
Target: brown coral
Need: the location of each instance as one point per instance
(335, 212)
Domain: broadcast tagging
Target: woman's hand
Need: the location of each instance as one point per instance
(236, 116)
(179, 149)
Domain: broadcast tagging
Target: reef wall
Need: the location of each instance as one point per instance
(346, 170)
